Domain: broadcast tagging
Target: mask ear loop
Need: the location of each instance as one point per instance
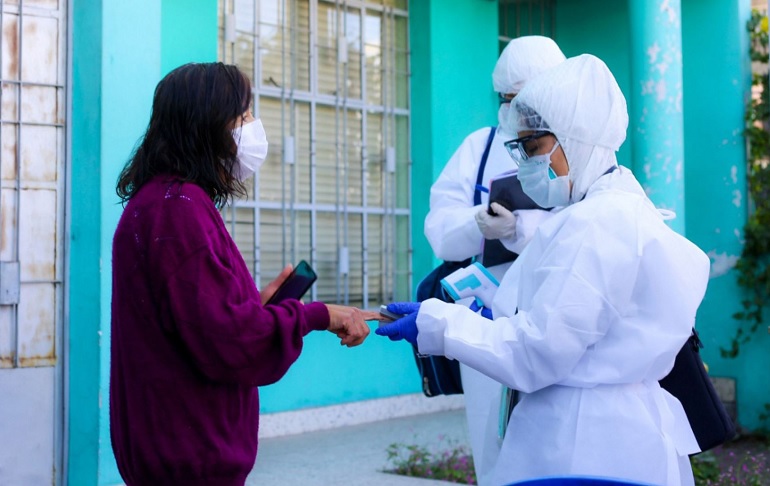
(551, 174)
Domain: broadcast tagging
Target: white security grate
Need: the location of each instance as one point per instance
(32, 172)
(331, 83)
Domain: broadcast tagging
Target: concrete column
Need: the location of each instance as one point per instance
(657, 120)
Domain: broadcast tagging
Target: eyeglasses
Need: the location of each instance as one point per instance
(505, 98)
(523, 148)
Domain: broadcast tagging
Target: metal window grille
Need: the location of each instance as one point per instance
(32, 170)
(525, 17)
(33, 111)
(331, 84)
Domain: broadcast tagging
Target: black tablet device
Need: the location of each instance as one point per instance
(296, 285)
(506, 191)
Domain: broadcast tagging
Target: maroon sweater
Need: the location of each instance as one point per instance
(190, 342)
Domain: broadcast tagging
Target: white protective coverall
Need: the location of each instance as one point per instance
(451, 229)
(592, 313)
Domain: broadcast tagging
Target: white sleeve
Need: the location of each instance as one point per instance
(527, 221)
(544, 341)
(450, 226)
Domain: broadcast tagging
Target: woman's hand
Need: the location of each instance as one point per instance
(271, 288)
(349, 324)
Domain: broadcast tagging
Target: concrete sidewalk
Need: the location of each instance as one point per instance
(354, 455)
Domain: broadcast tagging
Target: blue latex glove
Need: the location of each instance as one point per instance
(404, 328)
(404, 308)
(485, 311)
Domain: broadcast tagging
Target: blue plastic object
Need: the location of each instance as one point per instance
(576, 481)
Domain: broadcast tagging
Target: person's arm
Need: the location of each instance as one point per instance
(527, 222)
(540, 345)
(528, 351)
(226, 331)
(212, 304)
(450, 225)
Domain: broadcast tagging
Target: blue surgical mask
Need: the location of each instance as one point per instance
(541, 183)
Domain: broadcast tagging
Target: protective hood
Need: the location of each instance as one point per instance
(524, 58)
(580, 102)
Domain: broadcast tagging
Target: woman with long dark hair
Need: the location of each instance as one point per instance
(192, 337)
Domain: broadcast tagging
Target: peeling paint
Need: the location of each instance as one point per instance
(653, 52)
(737, 198)
(721, 263)
(667, 9)
(647, 87)
(660, 90)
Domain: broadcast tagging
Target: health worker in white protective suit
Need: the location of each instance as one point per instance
(596, 307)
(455, 227)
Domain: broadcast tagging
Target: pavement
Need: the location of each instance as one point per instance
(354, 455)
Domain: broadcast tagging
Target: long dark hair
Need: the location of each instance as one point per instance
(190, 132)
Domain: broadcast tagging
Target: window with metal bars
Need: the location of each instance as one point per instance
(331, 84)
(525, 17)
(32, 180)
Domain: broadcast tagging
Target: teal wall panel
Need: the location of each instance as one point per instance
(655, 110)
(329, 374)
(189, 32)
(423, 170)
(454, 48)
(83, 343)
(716, 85)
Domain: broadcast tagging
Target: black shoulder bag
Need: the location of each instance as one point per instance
(439, 374)
(689, 382)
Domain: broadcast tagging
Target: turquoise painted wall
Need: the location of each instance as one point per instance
(85, 294)
(189, 32)
(716, 85)
(454, 48)
(655, 110)
(453, 52)
(120, 50)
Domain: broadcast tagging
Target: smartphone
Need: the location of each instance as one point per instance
(296, 285)
(390, 315)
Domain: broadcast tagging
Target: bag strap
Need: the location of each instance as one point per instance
(480, 175)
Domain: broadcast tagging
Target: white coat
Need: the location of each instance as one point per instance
(598, 305)
(454, 235)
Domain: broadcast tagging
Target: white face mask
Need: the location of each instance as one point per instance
(252, 149)
(539, 182)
